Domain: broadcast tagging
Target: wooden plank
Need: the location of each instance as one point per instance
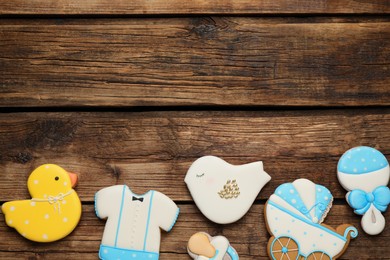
(220, 61)
(153, 150)
(85, 240)
(141, 7)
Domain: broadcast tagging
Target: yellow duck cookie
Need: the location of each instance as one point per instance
(54, 210)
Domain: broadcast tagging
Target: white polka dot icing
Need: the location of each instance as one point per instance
(298, 225)
(364, 172)
(39, 218)
(361, 160)
(315, 212)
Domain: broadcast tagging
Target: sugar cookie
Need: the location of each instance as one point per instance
(132, 229)
(54, 210)
(224, 192)
(294, 214)
(201, 246)
(364, 172)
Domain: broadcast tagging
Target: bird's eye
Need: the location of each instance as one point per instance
(200, 175)
(57, 178)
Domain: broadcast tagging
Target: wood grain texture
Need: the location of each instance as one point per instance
(85, 240)
(233, 61)
(159, 7)
(153, 150)
(317, 72)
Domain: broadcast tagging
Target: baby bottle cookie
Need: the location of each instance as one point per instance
(132, 229)
(202, 246)
(224, 192)
(364, 172)
(54, 210)
(294, 216)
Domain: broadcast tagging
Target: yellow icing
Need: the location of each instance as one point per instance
(54, 210)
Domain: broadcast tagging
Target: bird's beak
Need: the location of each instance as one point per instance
(73, 178)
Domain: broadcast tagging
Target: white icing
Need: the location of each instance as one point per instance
(207, 176)
(133, 224)
(221, 244)
(292, 221)
(307, 191)
(373, 221)
(279, 201)
(366, 182)
(281, 223)
(307, 197)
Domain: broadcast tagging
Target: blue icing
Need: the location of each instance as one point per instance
(115, 253)
(323, 199)
(232, 253)
(288, 193)
(361, 160)
(216, 254)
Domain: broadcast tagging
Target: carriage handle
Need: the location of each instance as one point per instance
(352, 231)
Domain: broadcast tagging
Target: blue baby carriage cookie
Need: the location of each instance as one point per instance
(294, 214)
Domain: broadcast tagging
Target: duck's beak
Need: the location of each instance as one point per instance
(73, 178)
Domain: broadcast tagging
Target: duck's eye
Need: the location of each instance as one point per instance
(200, 175)
(57, 178)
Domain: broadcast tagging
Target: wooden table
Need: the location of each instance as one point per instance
(132, 92)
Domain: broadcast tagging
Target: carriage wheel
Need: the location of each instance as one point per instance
(318, 256)
(284, 248)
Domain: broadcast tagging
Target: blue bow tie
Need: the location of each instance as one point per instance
(361, 201)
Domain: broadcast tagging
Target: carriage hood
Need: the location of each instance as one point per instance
(313, 201)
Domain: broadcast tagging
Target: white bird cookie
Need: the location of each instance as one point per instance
(224, 192)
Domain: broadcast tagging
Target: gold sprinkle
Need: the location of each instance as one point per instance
(230, 190)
